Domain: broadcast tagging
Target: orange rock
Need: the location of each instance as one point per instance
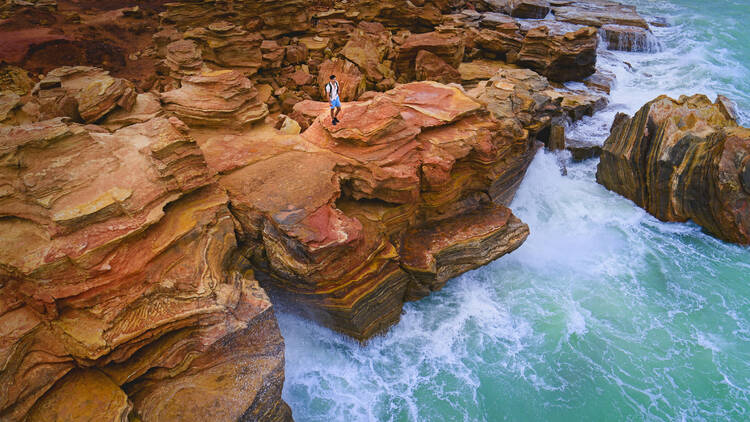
(683, 159)
(216, 98)
(351, 80)
(83, 394)
(368, 47)
(448, 47)
(123, 246)
(429, 67)
(321, 215)
(435, 253)
(82, 93)
(560, 56)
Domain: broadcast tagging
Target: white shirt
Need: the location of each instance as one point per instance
(332, 89)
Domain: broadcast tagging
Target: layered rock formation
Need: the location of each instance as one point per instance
(117, 280)
(323, 215)
(137, 216)
(683, 159)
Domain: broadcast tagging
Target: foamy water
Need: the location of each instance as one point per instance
(605, 313)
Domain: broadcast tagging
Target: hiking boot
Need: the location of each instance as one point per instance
(334, 121)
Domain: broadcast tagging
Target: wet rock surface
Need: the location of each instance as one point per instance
(683, 159)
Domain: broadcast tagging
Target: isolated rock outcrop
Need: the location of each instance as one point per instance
(117, 280)
(684, 159)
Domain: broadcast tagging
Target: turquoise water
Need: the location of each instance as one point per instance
(604, 313)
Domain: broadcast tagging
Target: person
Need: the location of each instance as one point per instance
(332, 92)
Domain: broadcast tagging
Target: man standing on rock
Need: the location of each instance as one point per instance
(332, 91)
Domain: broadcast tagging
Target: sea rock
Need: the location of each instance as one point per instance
(448, 47)
(556, 138)
(628, 38)
(429, 67)
(322, 215)
(683, 159)
(215, 98)
(560, 57)
(601, 81)
(577, 104)
(597, 13)
(431, 256)
(580, 150)
(530, 9)
(121, 242)
(502, 41)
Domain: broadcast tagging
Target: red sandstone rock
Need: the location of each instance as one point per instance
(683, 159)
(368, 47)
(448, 47)
(429, 67)
(426, 151)
(437, 252)
(184, 58)
(305, 112)
(132, 225)
(351, 81)
(563, 57)
(217, 98)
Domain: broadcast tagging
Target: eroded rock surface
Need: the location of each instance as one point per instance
(683, 159)
(115, 280)
(139, 214)
(322, 215)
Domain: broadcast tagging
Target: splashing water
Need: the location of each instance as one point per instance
(605, 313)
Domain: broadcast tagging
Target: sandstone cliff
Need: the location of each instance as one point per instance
(684, 159)
(151, 198)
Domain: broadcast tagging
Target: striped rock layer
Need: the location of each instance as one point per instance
(684, 159)
(116, 299)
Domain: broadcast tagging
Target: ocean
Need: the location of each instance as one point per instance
(604, 314)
